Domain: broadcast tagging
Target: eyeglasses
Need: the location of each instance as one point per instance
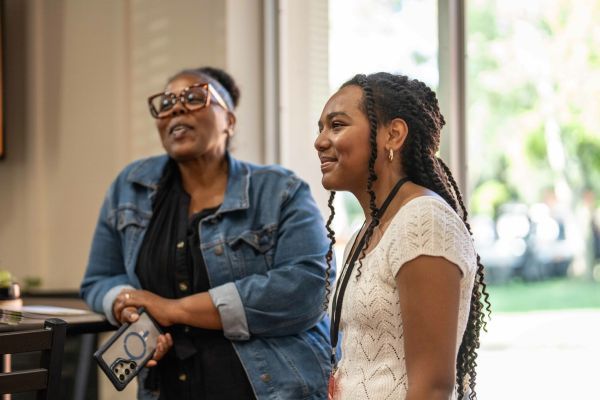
(193, 97)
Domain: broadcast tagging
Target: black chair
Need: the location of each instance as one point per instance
(45, 380)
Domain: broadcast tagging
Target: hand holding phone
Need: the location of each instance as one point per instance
(128, 350)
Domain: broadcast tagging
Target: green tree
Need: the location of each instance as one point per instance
(534, 95)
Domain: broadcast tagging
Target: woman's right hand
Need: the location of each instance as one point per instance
(121, 312)
(129, 314)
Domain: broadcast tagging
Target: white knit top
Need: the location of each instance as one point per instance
(372, 365)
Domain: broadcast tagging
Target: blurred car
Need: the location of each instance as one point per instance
(502, 244)
(523, 242)
(551, 252)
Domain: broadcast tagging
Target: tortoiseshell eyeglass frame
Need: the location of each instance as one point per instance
(181, 98)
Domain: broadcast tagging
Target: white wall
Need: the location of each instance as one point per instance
(244, 60)
(62, 133)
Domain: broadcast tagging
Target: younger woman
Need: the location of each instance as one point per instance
(408, 299)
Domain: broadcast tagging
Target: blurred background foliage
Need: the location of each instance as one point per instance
(534, 100)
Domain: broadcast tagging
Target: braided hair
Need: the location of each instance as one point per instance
(329, 256)
(385, 97)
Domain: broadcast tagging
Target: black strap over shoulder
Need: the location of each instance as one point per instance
(342, 284)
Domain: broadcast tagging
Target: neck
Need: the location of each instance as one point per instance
(382, 188)
(201, 173)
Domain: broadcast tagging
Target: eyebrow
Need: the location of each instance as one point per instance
(332, 115)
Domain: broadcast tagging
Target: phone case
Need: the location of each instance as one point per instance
(128, 350)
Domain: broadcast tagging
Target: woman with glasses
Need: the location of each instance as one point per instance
(227, 256)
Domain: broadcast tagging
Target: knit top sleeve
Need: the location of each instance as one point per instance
(427, 226)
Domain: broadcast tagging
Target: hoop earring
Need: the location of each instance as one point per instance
(391, 155)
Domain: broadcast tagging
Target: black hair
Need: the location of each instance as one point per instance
(329, 255)
(217, 74)
(385, 97)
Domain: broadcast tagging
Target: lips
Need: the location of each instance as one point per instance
(327, 162)
(179, 129)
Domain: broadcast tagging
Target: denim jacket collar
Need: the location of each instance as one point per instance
(238, 183)
(149, 172)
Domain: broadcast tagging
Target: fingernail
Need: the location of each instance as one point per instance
(134, 316)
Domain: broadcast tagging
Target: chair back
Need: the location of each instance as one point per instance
(45, 380)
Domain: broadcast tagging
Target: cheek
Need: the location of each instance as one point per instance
(161, 126)
(211, 123)
(352, 152)
(218, 118)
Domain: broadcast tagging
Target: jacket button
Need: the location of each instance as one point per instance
(183, 286)
(181, 245)
(265, 377)
(182, 377)
(219, 250)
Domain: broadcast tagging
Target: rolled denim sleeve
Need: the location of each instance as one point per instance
(228, 302)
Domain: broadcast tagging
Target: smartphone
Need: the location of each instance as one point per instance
(126, 352)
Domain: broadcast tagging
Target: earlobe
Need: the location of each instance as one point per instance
(231, 120)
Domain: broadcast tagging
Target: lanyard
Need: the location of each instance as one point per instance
(338, 297)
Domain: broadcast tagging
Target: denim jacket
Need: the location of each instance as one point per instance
(264, 251)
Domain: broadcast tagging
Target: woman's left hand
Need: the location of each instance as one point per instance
(163, 345)
(160, 308)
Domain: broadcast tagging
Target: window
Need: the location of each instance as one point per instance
(534, 157)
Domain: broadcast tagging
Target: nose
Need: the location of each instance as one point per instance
(321, 142)
(178, 108)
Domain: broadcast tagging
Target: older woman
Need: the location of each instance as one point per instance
(228, 256)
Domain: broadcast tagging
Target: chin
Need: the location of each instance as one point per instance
(330, 183)
(182, 153)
